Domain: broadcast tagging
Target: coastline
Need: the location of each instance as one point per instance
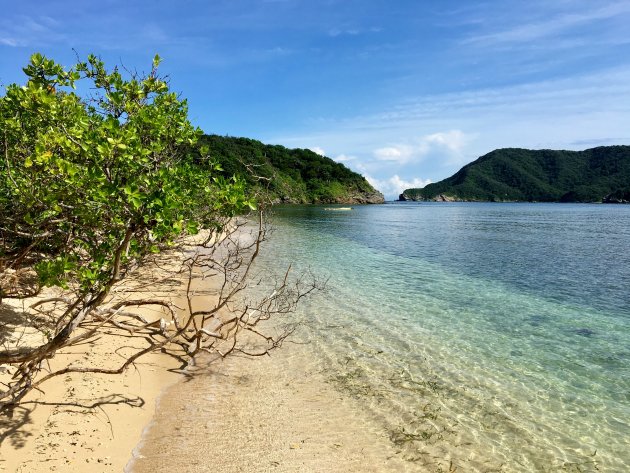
(287, 413)
(276, 413)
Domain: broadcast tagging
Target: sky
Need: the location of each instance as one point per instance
(404, 92)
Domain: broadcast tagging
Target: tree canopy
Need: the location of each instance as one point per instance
(92, 182)
(289, 175)
(513, 174)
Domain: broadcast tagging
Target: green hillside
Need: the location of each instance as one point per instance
(599, 174)
(289, 175)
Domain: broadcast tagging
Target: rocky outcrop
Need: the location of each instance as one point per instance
(363, 198)
(404, 197)
(352, 198)
(444, 198)
(618, 197)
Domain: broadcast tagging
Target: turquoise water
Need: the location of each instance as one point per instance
(487, 337)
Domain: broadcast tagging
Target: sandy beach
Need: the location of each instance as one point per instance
(93, 421)
(85, 421)
(270, 414)
(239, 414)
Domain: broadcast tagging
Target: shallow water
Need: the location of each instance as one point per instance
(483, 337)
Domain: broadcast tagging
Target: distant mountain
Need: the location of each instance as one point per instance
(599, 174)
(290, 175)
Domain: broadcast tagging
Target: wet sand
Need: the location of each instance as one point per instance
(268, 414)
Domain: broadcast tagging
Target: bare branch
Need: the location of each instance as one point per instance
(220, 315)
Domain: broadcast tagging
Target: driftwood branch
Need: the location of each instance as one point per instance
(199, 306)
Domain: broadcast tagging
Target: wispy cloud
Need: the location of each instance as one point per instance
(557, 25)
(338, 32)
(154, 33)
(353, 31)
(110, 32)
(560, 101)
(318, 150)
(344, 158)
(7, 41)
(595, 142)
(279, 51)
(25, 31)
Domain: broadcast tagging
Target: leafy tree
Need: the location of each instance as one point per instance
(93, 183)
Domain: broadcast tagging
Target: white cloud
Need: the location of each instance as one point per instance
(394, 186)
(343, 158)
(399, 153)
(453, 140)
(451, 143)
(318, 150)
(448, 130)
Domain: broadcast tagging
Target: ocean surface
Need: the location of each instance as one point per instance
(480, 337)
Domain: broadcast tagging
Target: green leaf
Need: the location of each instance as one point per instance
(84, 170)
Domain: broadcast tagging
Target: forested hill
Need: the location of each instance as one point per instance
(599, 174)
(290, 175)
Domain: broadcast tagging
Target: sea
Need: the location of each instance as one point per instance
(478, 336)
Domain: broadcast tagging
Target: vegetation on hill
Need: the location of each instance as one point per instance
(288, 175)
(599, 174)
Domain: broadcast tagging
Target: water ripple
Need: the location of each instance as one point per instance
(491, 335)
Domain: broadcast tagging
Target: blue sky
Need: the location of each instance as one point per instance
(404, 92)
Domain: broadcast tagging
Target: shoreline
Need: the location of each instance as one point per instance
(276, 413)
(112, 423)
(356, 392)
